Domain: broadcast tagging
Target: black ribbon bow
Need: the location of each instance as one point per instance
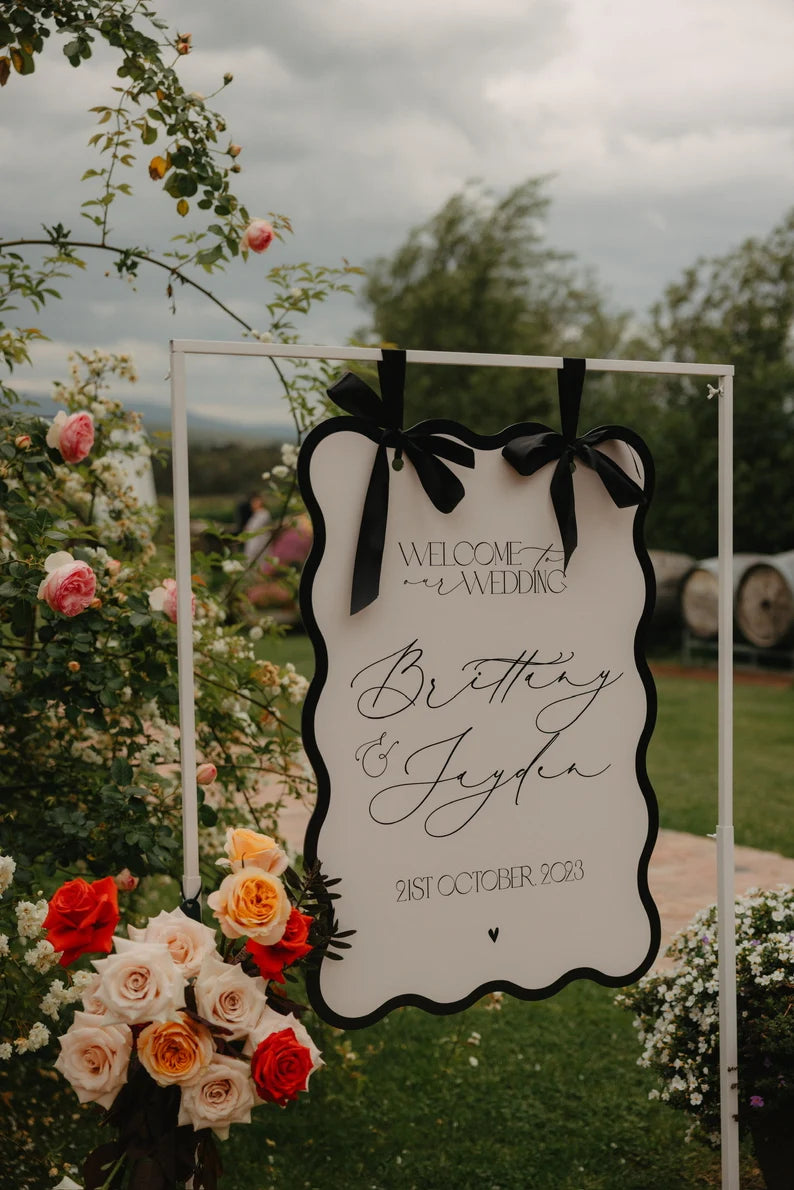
(424, 450)
(530, 452)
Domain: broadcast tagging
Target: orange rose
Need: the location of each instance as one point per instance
(251, 903)
(247, 848)
(175, 1051)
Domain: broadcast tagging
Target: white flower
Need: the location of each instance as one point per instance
(226, 996)
(231, 566)
(38, 1036)
(188, 941)
(7, 869)
(140, 982)
(42, 956)
(279, 471)
(5, 1051)
(4, 948)
(30, 917)
(256, 632)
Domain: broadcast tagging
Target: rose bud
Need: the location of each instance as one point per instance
(125, 881)
(95, 603)
(235, 150)
(257, 237)
(73, 666)
(206, 774)
(22, 441)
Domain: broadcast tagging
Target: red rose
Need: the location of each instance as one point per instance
(271, 960)
(280, 1067)
(81, 918)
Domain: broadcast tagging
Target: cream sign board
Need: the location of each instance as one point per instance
(478, 727)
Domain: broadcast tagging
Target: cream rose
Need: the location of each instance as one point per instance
(89, 999)
(251, 904)
(226, 996)
(188, 941)
(94, 1058)
(140, 982)
(175, 1051)
(69, 586)
(72, 435)
(223, 1095)
(247, 848)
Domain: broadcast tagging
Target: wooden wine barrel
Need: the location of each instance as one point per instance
(765, 601)
(700, 593)
(669, 570)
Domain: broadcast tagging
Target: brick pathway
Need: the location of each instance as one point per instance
(683, 876)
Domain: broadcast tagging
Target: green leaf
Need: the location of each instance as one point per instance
(207, 815)
(121, 771)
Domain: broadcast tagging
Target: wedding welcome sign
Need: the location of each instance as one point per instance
(481, 708)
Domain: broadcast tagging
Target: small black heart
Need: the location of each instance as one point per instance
(493, 934)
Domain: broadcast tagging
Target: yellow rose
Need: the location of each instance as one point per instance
(175, 1051)
(251, 904)
(247, 848)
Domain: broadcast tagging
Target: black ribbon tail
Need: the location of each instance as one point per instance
(562, 500)
(371, 535)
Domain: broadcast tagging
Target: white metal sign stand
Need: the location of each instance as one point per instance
(180, 348)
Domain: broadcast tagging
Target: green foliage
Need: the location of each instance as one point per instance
(555, 1102)
(678, 1013)
(737, 309)
(479, 277)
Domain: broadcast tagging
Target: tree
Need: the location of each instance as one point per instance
(478, 276)
(739, 309)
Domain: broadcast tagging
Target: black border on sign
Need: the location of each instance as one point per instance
(358, 425)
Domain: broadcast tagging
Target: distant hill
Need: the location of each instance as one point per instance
(206, 430)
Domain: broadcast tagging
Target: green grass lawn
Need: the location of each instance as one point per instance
(682, 761)
(555, 1102)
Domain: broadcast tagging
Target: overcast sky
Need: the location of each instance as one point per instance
(667, 127)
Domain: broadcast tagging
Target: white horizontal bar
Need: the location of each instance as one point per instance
(467, 358)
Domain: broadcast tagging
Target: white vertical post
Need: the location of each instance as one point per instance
(191, 884)
(726, 911)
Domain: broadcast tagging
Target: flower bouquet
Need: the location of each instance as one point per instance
(178, 1040)
(678, 1022)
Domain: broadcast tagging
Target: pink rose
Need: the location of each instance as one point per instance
(69, 586)
(72, 435)
(163, 599)
(125, 881)
(206, 774)
(257, 237)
